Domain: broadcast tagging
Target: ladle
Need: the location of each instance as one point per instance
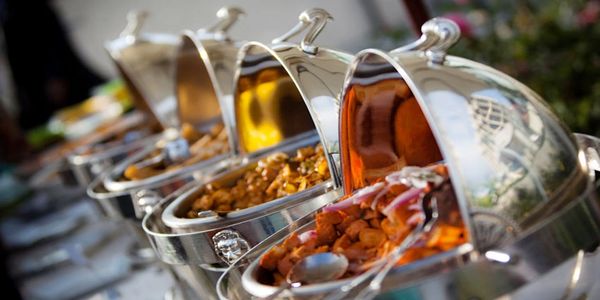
(429, 207)
(320, 267)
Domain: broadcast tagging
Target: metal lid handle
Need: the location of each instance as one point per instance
(135, 20)
(227, 16)
(439, 34)
(314, 19)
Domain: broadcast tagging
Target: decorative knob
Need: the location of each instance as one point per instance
(227, 16)
(439, 34)
(135, 20)
(315, 20)
(229, 245)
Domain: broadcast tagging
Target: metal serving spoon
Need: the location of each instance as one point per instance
(429, 207)
(174, 151)
(315, 268)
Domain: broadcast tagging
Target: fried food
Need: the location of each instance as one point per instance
(203, 145)
(366, 226)
(275, 176)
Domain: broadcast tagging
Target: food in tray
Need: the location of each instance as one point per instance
(370, 223)
(203, 145)
(275, 176)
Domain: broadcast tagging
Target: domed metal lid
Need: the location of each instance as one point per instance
(145, 62)
(285, 91)
(204, 66)
(204, 70)
(512, 162)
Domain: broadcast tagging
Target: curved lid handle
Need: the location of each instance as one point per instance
(227, 16)
(439, 34)
(135, 20)
(314, 19)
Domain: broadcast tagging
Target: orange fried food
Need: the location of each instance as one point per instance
(202, 147)
(367, 229)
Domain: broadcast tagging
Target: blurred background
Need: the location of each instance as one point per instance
(53, 62)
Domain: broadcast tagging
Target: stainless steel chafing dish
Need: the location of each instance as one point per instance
(285, 97)
(131, 134)
(145, 63)
(204, 68)
(77, 161)
(522, 181)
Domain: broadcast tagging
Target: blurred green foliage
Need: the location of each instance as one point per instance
(552, 46)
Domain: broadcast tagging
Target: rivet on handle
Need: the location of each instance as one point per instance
(229, 245)
(146, 199)
(135, 20)
(227, 16)
(314, 19)
(439, 34)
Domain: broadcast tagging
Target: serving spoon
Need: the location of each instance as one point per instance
(320, 267)
(430, 210)
(174, 151)
(327, 266)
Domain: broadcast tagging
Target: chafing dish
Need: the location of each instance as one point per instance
(205, 55)
(145, 62)
(522, 182)
(131, 134)
(285, 98)
(70, 163)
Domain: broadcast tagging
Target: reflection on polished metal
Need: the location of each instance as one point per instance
(162, 184)
(523, 183)
(145, 62)
(173, 150)
(130, 134)
(204, 69)
(590, 145)
(282, 97)
(114, 205)
(200, 258)
(229, 245)
(269, 109)
(175, 215)
(314, 19)
(460, 273)
(272, 80)
(507, 153)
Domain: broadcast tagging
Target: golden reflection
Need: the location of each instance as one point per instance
(197, 100)
(269, 109)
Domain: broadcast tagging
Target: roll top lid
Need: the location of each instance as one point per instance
(284, 91)
(145, 62)
(204, 71)
(511, 161)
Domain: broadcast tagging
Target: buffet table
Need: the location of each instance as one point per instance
(302, 172)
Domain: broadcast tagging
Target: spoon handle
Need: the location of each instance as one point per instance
(347, 288)
(370, 291)
(150, 161)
